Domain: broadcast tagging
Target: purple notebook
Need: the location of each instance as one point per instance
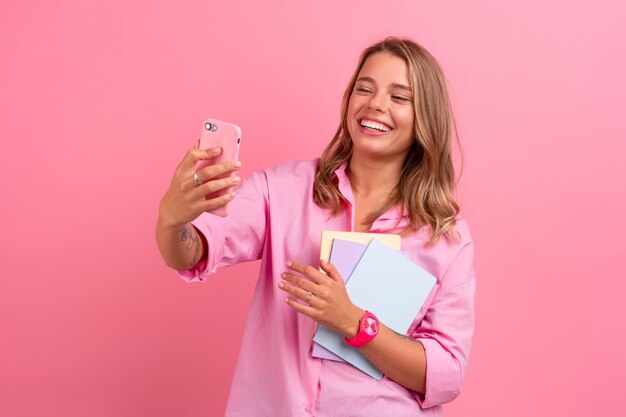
(345, 256)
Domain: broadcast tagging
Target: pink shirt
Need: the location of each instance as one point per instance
(274, 218)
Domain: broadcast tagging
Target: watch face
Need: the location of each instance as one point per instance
(370, 325)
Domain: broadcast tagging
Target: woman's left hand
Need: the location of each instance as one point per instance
(328, 304)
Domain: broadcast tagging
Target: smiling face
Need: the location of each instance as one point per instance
(380, 115)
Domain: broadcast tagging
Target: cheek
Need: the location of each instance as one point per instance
(405, 121)
(405, 131)
(352, 107)
(407, 118)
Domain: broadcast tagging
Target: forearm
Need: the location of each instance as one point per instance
(399, 357)
(181, 247)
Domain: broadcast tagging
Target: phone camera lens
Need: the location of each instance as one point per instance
(208, 126)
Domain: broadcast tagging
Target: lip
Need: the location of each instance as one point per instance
(370, 132)
(373, 119)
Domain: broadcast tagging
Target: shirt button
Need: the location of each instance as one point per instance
(307, 408)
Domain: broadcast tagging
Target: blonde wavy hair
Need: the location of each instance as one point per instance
(427, 181)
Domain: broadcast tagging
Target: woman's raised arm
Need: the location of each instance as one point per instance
(179, 242)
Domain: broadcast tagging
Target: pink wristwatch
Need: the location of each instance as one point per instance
(368, 329)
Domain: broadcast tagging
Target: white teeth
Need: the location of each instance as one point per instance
(374, 125)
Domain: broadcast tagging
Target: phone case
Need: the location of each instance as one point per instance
(227, 136)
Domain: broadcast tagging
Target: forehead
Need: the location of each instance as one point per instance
(385, 69)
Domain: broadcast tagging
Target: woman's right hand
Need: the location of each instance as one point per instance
(185, 198)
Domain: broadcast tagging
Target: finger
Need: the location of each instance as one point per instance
(330, 270)
(206, 174)
(216, 170)
(210, 187)
(301, 308)
(307, 270)
(188, 179)
(298, 293)
(194, 155)
(300, 282)
(212, 204)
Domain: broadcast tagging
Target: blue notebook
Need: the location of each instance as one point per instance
(389, 285)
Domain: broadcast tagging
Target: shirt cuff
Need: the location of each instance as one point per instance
(443, 376)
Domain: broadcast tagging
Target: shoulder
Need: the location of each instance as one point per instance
(462, 230)
(285, 171)
(293, 171)
(461, 237)
(294, 167)
(451, 260)
(459, 255)
(286, 177)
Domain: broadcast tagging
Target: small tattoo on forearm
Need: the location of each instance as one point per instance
(197, 248)
(184, 232)
(189, 235)
(185, 235)
(406, 337)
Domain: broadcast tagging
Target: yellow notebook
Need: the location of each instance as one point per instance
(393, 241)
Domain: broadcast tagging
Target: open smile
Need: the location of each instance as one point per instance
(375, 127)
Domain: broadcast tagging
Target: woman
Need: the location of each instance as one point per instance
(387, 170)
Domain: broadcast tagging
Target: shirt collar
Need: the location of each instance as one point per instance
(345, 189)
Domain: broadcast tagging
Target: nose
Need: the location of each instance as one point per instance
(377, 102)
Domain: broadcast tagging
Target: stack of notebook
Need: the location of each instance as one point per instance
(379, 278)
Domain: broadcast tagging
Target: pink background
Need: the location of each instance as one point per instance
(100, 100)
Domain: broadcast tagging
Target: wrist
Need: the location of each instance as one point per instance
(166, 225)
(368, 330)
(352, 325)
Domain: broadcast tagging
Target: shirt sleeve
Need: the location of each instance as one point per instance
(446, 332)
(238, 237)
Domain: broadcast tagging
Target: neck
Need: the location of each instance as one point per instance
(372, 178)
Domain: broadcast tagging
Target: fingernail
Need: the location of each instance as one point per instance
(281, 285)
(282, 275)
(216, 150)
(236, 180)
(289, 263)
(323, 262)
(237, 164)
(233, 194)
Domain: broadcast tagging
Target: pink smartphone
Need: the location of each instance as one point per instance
(227, 136)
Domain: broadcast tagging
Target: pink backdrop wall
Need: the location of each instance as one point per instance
(100, 100)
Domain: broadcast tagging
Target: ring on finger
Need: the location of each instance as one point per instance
(196, 177)
(309, 294)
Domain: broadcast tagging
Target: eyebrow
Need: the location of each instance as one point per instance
(395, 85)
